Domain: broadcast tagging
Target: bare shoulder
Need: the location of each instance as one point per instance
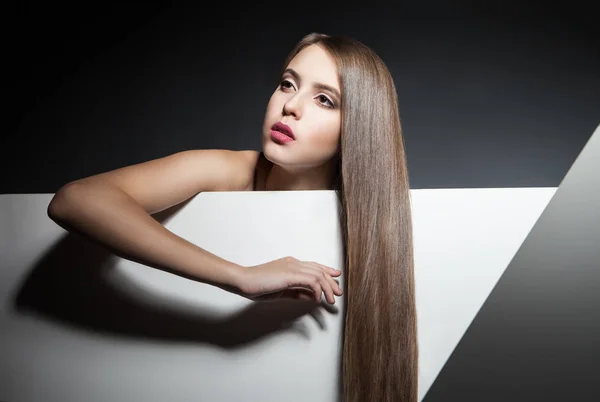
(233, 170)
(249, 156)
(244, 164)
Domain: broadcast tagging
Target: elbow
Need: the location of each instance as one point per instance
(59, 203)
(53, 208)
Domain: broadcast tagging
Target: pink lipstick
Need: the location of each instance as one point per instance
(282, 132)
(280, 137)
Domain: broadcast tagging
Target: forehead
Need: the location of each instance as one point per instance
(314, 64)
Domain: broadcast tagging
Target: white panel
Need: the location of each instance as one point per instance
(464, 239)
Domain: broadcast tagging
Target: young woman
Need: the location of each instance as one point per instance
(331, 123)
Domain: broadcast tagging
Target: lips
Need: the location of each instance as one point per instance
(283, 128)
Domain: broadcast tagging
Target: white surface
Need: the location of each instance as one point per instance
(464, 239)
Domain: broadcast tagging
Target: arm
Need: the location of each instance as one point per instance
(103, 208)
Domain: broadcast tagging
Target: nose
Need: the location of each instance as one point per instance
(293, 106)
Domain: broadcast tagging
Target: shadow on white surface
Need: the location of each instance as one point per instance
(120, 330)
(75, 283)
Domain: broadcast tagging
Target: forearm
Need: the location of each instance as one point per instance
(111, 217)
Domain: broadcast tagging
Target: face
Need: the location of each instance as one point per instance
(311, 111)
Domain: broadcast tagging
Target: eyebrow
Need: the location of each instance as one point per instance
(316, 84)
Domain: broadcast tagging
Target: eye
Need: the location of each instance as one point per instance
(326, 99)
(323, 100)
(282, 84)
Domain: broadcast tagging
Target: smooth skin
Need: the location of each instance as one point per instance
(314, 114)
(115, 207)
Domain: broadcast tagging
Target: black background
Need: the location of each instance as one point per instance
(491, 95)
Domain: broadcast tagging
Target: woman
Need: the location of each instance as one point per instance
(331, 123)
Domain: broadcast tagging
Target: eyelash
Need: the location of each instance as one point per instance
(328, 100)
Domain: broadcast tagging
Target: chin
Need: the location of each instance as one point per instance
(269, 150)
(272, 152)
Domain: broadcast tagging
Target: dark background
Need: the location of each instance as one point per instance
(501, 94)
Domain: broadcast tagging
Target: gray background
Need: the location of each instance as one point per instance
(491, 95)
(494, 95)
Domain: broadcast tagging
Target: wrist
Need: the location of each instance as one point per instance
(233, 281)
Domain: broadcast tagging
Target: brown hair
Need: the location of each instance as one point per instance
(380, 351)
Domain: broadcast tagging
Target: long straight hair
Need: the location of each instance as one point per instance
(380, 351)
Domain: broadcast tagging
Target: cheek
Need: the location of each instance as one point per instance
(271, 113)
(274, 107)
(270, 106)
(326, 131)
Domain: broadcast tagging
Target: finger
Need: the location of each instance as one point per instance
(318, 286)
(334, 272)
(329, 270)
(310, 282)
(302, 295)
(335, 286)
(323, 278)
(332, 286)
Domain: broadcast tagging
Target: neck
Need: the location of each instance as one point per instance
(318, 178)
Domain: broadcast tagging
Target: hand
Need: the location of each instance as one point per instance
(289, 277)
